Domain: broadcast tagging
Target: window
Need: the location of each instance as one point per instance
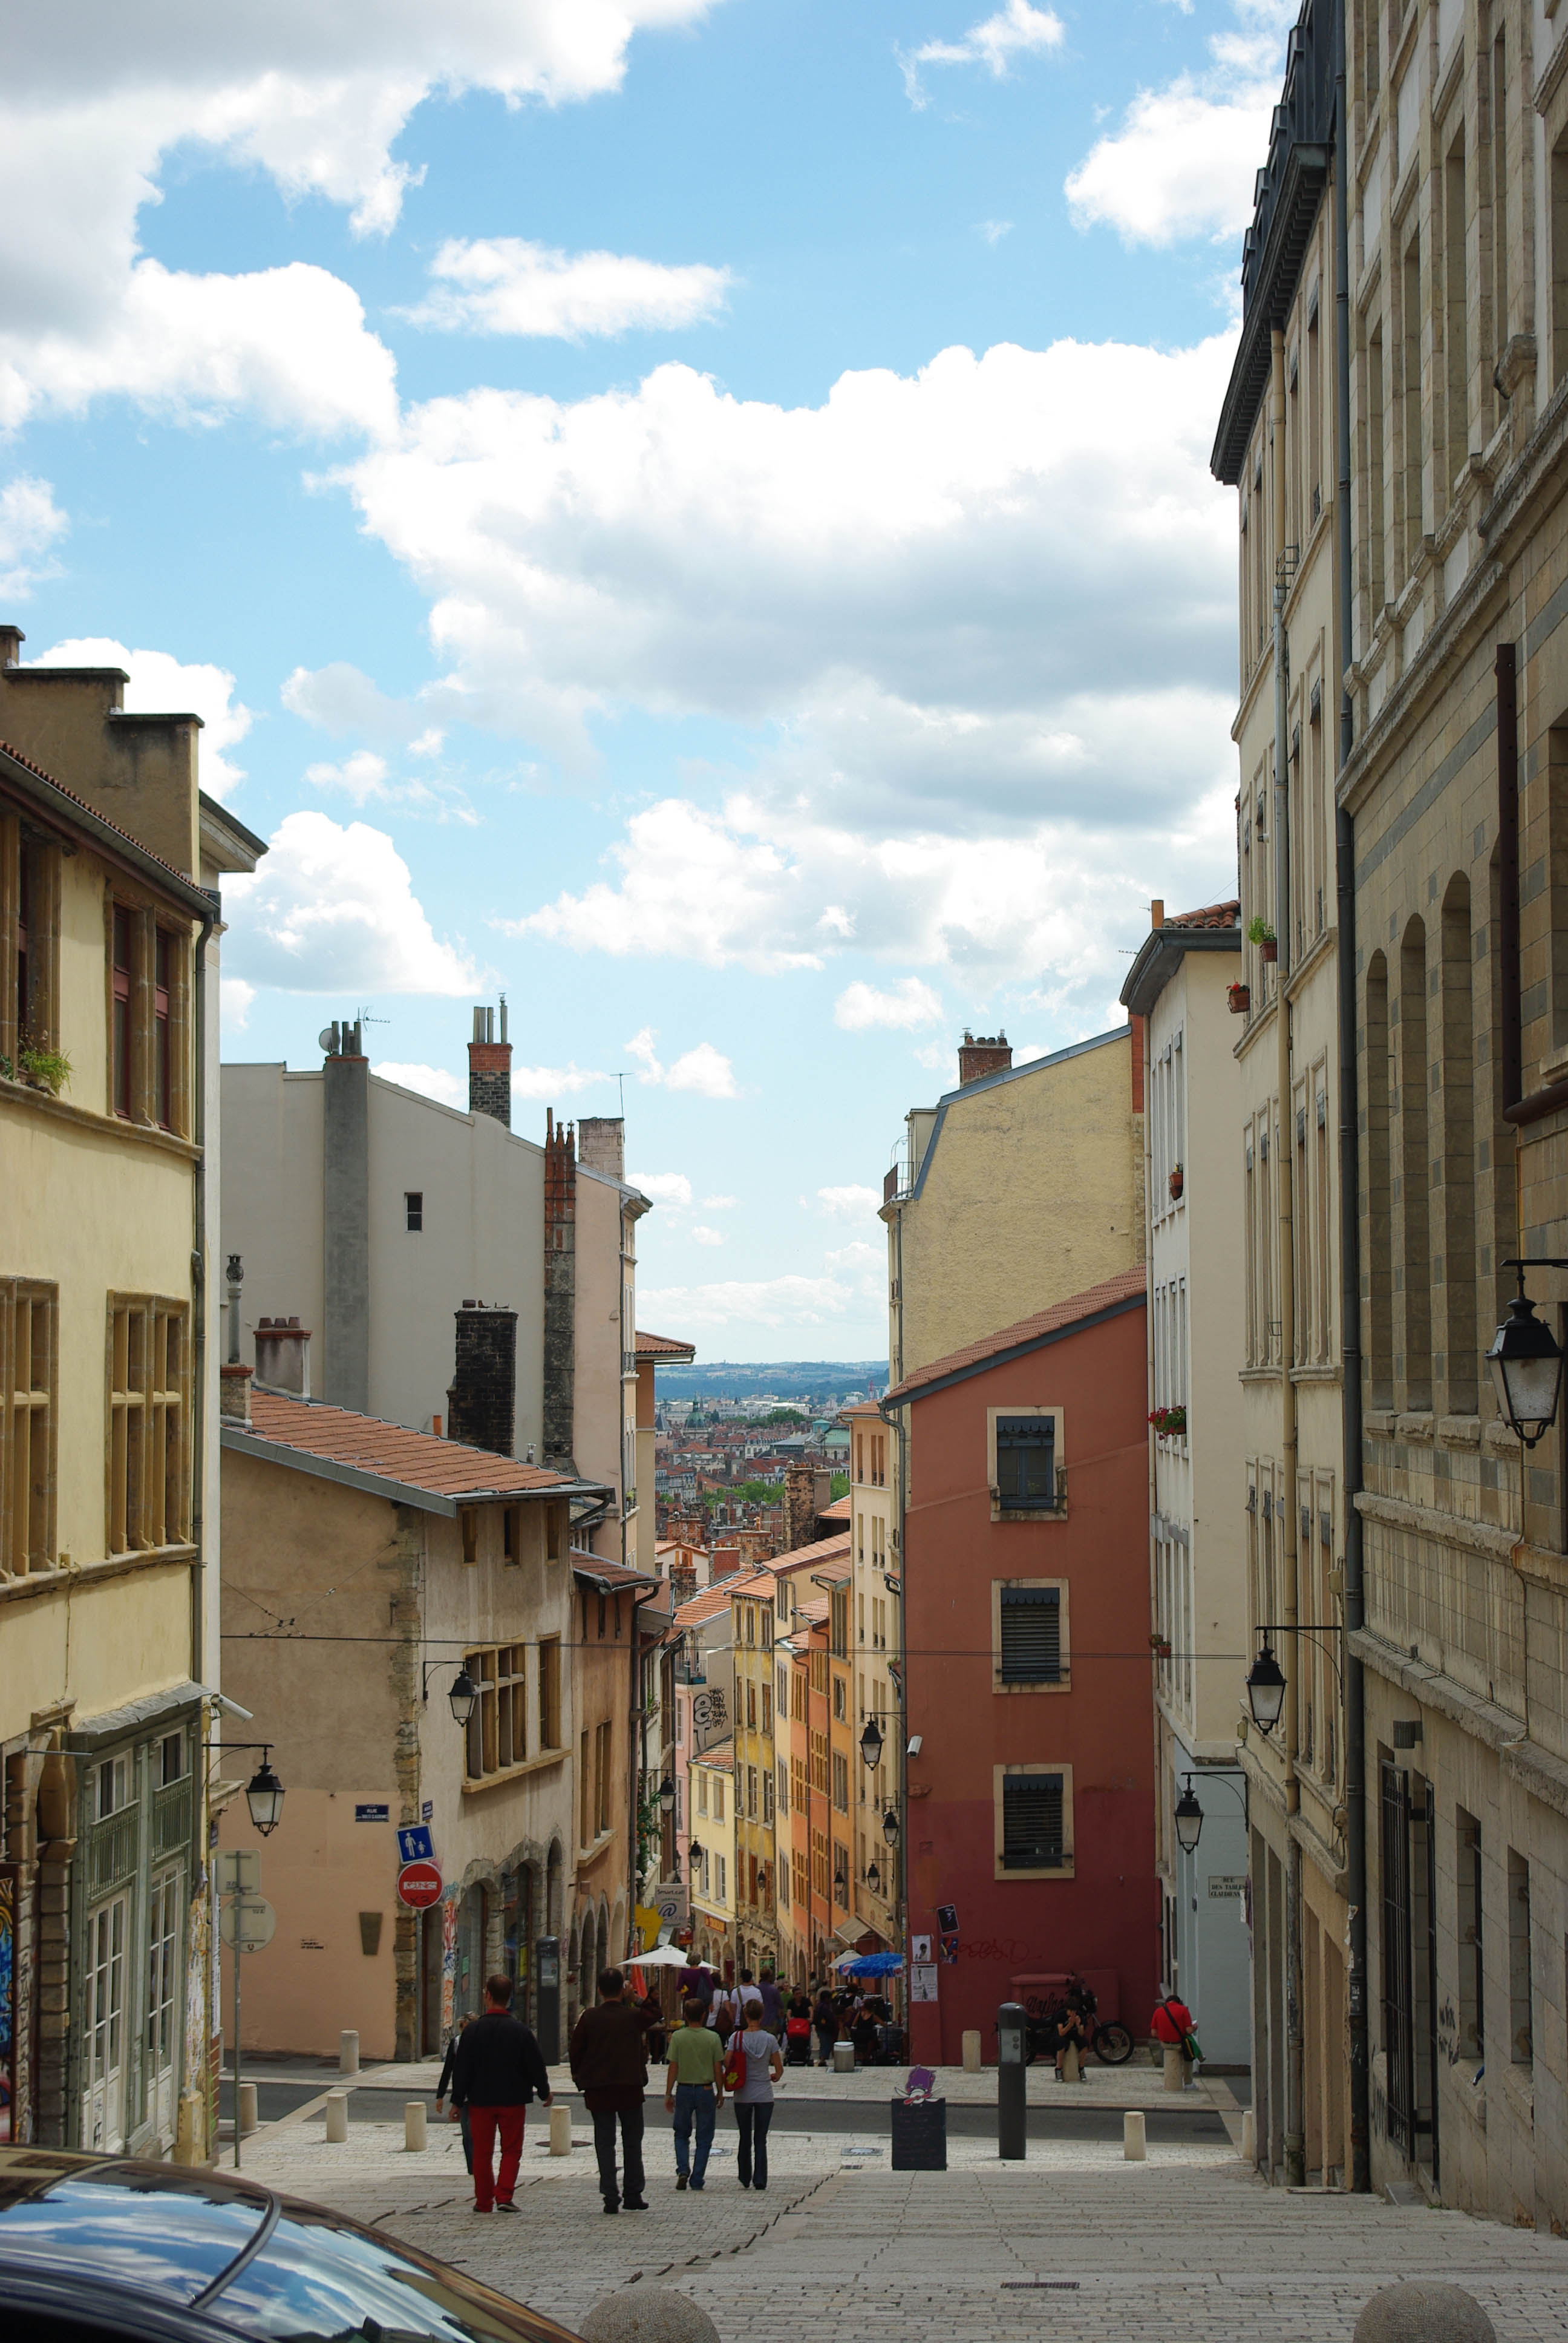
(1025, 1463)
(148, 1023)
(1454, 216)
(114, 1785)
(840, 1624)
(840, 1697)
(819, 1864)
(468, 1522)
(1472, 1974)
(719, 1797)
(148, 1388)
(751, 1794)
(414, 1210)
(722, 1878)
(497, 1731)
(840, 1782)
(819, 1671)
(122, 1028)
(171, 1765)
(28, 1336)
(840, 1875)
(1033, 1821)
(601, 1779)
(1028, 1634)
(550, 1694)
(1520, 1989)
(802, 1876)
(820, 1762)
(511, 1533)
(768, 1795)
(29, 909)
(701, 1793)
(163, 1061)
(750, 1708)
(554, 1519)
(783, 1789)
(768, 1709)
(800, 1785)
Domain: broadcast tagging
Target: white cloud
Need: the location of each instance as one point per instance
(1184, 160)
(704, 1068)
(707, 1236)
(849, 1203)
(366, 777)
(360, 776)
(333, 910)
(867, 1261)
(554, 1081)
(861, 1007)
(502, 285)
(162, 685)
(1016, 30)
(235, 996)
(430, 1081)
(96, 95)
(672, 1188)
(994, 231)
(771, 1301)
(30, 523)
(720, 1203)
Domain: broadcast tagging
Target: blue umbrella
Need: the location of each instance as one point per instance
(875, 1965)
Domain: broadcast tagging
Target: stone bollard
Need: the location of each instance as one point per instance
(348, 2053)
(1175, 2066)
(560, 2130)
(1424, 2310)
(1134, 2138)
(843, 2057)
(414, 2132)
(1071, 2068)
(647, 2313)
(971, 2050)
(336, 2118)
(247, 2111)
(1248, 2136)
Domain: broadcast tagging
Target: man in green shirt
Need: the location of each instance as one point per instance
(694, 2091)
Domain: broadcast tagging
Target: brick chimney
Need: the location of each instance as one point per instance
(234, 1392)
(989, 1055)
(800, 1506)
(682, 1582)
(726, 1563)
(561, 1294)
(283, 1356)
(481, 1399)
(491, 1069)
(601, 1144)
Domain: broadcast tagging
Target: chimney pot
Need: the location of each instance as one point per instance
(988, 1054)
(1157, 913)
(490, 1069)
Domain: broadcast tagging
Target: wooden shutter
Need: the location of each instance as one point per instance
(1031, 1635)
(1031, 1822)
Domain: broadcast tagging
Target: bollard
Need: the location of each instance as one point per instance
(414, 2134)
(1248, 2136)
(1134, 2138)
(336, 2118)
(971, 2050)
(247, 2111)
(560, 2130)
(1175, 2066)
(843, 2057)
(348, 2053)
(1071, 2070)
(1011, 2088)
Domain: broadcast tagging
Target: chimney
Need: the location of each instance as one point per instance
(800, 1506)
(682, 1582)
(481, 1401)
(1157, 913)
(601, 1144)
(491, 1069)
(561, 1294)
(11, 642)
(823, 1484)
(282, 1357)
(234, 1392)
(990, 1054)
(726, 1563)
(346, 1218)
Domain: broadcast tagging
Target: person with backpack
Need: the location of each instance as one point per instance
(751, 2069)
(1171, 2026)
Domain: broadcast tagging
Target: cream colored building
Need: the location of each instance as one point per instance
(110, 860)
(753, 1610)
(1458, 236)
(879, 1657)
(1181, 984)
(712, 1853)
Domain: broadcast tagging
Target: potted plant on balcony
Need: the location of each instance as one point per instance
(1159, 1645)
(1241, 997)
(1178, 1180)
(1260, 933)
(1170, 1423)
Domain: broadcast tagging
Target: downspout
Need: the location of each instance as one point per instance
(1350, 1185)
(905, 1417)
(638, 1742)
(198, 1302)
(1285, 1173)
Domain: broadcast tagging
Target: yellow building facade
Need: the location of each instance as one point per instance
(877, 1615)
(753, 1610)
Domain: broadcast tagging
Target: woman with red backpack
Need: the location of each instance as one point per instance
(1172, 2026)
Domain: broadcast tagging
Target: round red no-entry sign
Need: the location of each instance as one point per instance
(419, 1884)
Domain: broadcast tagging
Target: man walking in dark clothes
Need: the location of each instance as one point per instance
(609, 2067)
(498, 2068)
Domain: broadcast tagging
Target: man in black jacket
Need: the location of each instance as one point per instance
(498, 2068)
(609, 2067)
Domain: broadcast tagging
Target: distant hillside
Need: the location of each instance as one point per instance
(805, 1379)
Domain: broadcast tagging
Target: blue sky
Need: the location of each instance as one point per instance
(697, 517)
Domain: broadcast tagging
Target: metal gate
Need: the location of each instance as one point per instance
(1397, 1995)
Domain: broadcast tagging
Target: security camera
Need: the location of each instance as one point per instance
(914, 1749)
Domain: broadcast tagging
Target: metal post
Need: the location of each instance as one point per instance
(1012, 2089)
(235, 1902)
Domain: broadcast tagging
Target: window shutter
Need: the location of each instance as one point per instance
(1031, 1822)
(1031, 1635)
(1026, 1460)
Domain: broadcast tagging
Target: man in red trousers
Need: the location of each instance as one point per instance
(496, 2071)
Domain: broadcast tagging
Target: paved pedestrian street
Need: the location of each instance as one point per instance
(1074, 2244)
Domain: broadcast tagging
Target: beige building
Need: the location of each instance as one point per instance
(753, 1611)
(878, 1658)
(712, 1854)
(1458, 251)
(110, 860)
(1181, 984)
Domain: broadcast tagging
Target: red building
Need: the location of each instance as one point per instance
(1029, 1815)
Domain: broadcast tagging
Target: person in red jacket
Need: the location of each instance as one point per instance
(1173, 2026)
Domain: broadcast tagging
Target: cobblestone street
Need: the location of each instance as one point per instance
(1075, 2243)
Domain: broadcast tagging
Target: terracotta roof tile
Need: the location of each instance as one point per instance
(663, 1346)
(808, 1557)
(446, 1468)
(721, 1757)
(706, 1605)
(601, 1572)
(1214, 915)
(1061, 1315)
(839, 1511)
(118, 827)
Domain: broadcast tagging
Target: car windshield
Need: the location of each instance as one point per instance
(314, 2280)
(163, 2234)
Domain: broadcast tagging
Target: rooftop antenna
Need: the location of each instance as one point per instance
(621, 1080)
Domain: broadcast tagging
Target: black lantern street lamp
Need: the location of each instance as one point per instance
(1266, 1690)
(1189, 1820)
(871, 1744)
(463, 1697)
(264, 1794)
(695, 1854)
(667, 1796)
(1526, 1364)
(874, 1877)
(890, 1827)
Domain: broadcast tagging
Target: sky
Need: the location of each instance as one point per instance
(692, 513)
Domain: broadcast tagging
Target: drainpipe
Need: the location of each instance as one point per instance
(1350, 1185)
(1284, 1172)
(198, 1301)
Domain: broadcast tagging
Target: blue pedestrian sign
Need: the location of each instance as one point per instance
(414, 1845)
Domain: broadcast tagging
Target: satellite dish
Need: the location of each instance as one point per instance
(328, 1039)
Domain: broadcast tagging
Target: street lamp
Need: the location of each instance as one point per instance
(667, 1796)
(694, 1856)
(871, 1744)
(1265, 1690)
(1189, 1820)
(874, 1877)
(264, 1794)
(464, 1696)
(890, 1827)
(1526, 1364)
